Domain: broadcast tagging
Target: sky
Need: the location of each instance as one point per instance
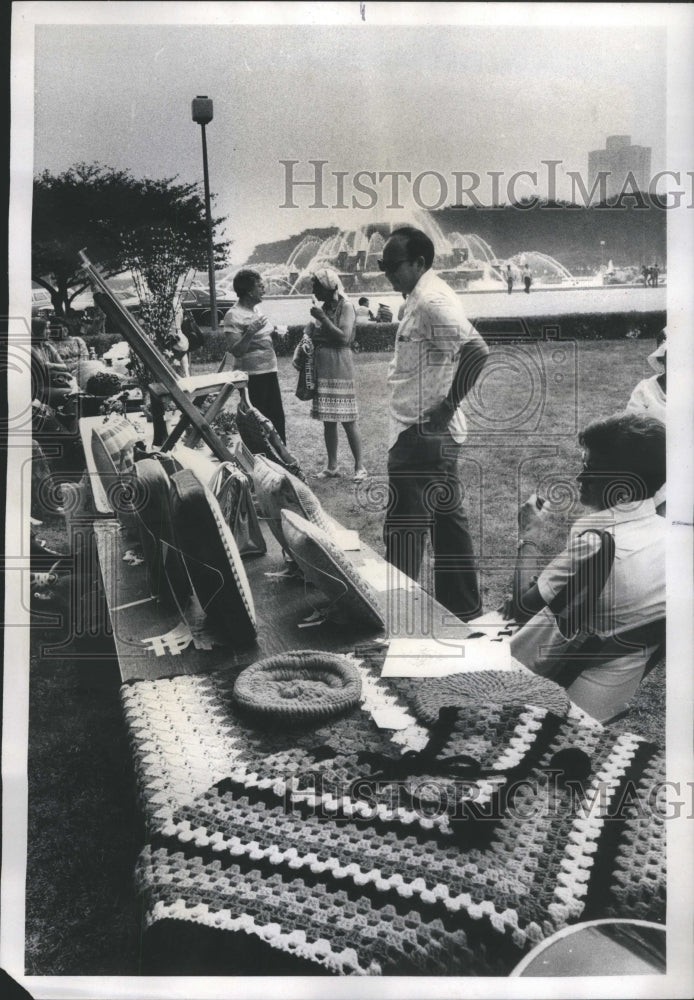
(439, 98)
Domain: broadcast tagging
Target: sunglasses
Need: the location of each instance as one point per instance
(384, 265)
(587, 468)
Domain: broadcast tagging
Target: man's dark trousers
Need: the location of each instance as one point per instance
(426, 499)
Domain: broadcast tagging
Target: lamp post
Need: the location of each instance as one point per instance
(202, 115)
(602, 255)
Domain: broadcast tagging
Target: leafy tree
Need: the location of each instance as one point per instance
(113, 216)
(158, 260)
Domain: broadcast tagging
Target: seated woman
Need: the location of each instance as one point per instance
(71, 350)
(52, 382)
(595, 616)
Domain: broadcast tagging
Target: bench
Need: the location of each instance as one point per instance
(152, 642)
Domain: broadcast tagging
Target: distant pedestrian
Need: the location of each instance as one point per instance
(364, 314)
(656, 273)
(509, 278)
(527, 278)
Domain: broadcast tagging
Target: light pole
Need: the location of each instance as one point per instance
(602, 255)
(202, 115)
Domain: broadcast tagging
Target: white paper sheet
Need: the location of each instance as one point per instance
(347, 539)
(491, 624)
(391, 718)
(430, 658)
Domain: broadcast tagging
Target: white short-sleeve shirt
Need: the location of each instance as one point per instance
(431, 333)
(633, 596)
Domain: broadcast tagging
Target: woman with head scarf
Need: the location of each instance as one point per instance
(650, 397)
(332, 332)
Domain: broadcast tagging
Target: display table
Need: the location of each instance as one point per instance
(378, 842)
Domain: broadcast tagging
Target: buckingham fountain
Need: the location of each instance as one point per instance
(464, 261)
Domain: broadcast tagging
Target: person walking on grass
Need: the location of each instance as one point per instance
(332, 332)
(438, 358)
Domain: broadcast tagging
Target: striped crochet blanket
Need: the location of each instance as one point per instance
(335, 850)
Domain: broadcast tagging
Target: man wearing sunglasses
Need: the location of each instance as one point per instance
(438, 358)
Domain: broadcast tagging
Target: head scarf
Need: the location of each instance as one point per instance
(655, 360)
(330, 279)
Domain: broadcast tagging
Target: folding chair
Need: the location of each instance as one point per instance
(185, 392)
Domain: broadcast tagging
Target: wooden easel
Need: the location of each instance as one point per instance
(185, 392)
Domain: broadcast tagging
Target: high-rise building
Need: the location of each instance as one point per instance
(618, 160)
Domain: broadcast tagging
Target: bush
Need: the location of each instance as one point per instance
(380, 337)
(595, 326)
(104, 384)
(214, 347)
(101, 342)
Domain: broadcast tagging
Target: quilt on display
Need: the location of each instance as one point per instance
(452, 851)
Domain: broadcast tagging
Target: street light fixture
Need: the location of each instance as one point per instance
(202, 116)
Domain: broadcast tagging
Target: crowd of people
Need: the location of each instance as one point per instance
(593, 618)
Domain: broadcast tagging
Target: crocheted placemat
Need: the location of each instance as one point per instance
(482, 687)
(298, 686)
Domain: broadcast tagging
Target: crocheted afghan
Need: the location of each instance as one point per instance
(333, 849)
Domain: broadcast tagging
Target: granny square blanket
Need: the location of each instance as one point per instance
(349, 850)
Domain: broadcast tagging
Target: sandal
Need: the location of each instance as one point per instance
(360, 475)
(328, 474)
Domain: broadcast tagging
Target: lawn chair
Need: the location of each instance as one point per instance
(186, 393)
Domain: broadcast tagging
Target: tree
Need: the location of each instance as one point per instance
(113, 215)
(158, 259)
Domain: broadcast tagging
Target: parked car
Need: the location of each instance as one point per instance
(197, 302)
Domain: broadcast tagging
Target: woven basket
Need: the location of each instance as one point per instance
(484, 687)
(297, 687)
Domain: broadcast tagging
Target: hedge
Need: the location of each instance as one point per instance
(380, 337)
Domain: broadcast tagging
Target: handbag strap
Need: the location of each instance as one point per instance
(221, 476)
(575, 606)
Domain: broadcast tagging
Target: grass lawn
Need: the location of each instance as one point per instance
(84, 828)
